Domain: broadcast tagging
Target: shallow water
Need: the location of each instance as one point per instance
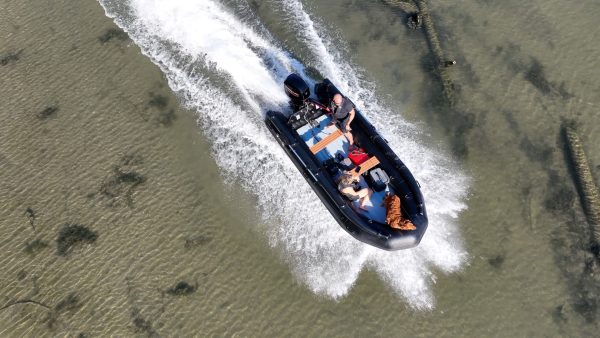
(197, 229)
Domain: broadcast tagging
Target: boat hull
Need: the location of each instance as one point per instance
(362, 228)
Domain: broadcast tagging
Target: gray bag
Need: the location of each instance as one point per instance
(378, 179)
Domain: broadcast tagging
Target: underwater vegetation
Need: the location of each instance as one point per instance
(10, 57)
(47, 112)
(142, 325)
(111, 34)
(69, 304)
(123, 181)
(35, 246)
(535, 74)
(197, 241)
(30, 213)
(71, 235)
(182, 289)
(159, 105)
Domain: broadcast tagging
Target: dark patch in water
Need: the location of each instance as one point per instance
(21, 275)
(595, 250)
(142, 325)
(167, 117)
(512, 122)
(10, 57)
(496, 261)
(158, 101)
(113, 33)
(586, 305)
(30, 213)
(558, 314)
(537, 153)
(535, 74)
(160, 104)
(182, 289)
(35, 246)
(123, 181)
(254, 5)
(197, 241)
(47, 112)
(71, 235)
(70, 303)
(560, 198)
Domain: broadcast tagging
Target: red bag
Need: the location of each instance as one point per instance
(358, 156)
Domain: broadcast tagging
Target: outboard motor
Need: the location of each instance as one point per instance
(296, 89)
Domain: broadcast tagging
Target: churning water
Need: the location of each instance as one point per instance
(225, 64)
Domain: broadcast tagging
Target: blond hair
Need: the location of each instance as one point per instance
(347, 178)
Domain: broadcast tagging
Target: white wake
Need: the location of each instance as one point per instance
(201, 45)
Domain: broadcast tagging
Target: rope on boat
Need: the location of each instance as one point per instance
(433, 40)
(584, 180)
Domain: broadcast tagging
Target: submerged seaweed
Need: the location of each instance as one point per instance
(47, 112)
(35, 246)
(196, 241)
(113, 33)
(7, 58)
(158, 101)
(71, 235)
(535, 74)
(166, 117)
(496, 261)
(30, 213)
(160, 104)
(123, 181)
(182, 289)
(70, 303)
(142, 325)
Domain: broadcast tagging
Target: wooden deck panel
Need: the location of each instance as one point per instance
(368, 164)
(324, 142)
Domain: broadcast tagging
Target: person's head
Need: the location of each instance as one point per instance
(337, 99)
(348, 177)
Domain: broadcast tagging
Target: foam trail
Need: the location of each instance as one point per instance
(191, 41)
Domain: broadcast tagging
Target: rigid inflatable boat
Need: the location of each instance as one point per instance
(321, 153)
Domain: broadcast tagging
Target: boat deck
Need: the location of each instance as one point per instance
(327, 142)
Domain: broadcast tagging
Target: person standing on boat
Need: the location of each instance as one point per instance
(342, 113)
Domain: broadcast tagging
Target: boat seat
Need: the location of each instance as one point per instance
(368, 164)
(324, 142)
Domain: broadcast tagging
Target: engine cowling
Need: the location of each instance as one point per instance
(296, 89)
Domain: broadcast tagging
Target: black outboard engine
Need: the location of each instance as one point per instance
(296, 89)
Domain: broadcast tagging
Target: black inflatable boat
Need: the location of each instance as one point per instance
(321, 153)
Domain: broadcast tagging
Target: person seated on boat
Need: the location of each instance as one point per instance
(342, 113)
(349, 187)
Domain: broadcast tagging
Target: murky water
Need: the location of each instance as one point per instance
(123, 216)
